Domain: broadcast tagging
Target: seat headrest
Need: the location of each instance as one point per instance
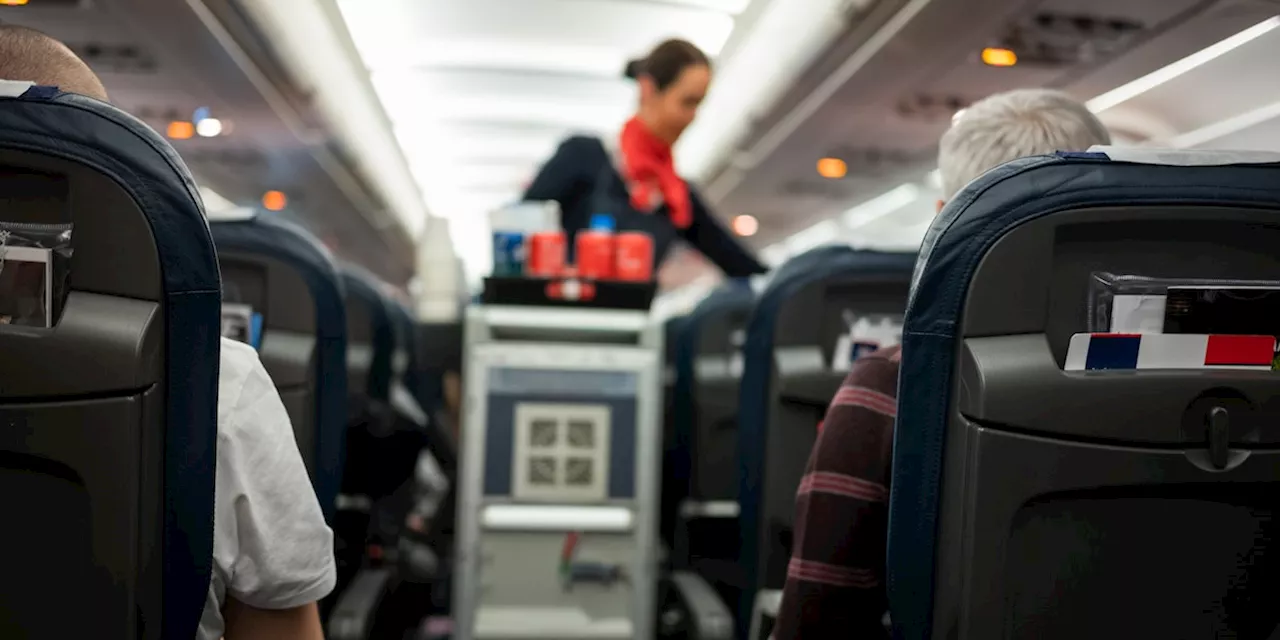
(290, 243)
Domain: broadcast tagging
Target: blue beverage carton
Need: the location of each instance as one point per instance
(508, 253)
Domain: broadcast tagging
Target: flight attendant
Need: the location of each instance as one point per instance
(634, 177)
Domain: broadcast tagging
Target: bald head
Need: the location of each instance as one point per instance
(27, 54)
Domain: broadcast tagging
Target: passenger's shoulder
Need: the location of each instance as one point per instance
(236, 367)
(877, 371)
(237, 362)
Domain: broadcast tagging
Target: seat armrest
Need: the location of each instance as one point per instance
(768, 601)
(352, 618)
(711, 619)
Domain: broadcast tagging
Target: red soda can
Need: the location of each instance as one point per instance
(546, 254)
(595, 254)
(633, 256)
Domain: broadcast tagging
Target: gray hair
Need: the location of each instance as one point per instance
(1011, 125)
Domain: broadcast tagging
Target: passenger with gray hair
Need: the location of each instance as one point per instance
(835, 580)
(1012, 125)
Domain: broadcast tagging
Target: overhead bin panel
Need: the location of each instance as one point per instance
(910, 52)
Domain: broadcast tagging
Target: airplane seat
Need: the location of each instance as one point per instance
(674, 473)
(285, 277)
(371, 458)
(410, 374)
(108, 454)
(422, 380)
(440, 348)
(1050, 481)
(790, 375)
(418, 520)
(708, 365)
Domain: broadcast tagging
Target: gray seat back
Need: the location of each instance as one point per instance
(809, 326)
(717, 337)
(787, 382)
(1029, 501)
(108, 450)
(282, 272)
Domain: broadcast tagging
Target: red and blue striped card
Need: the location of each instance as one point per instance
(1123, 351)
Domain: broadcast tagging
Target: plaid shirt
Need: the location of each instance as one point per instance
(835, 580)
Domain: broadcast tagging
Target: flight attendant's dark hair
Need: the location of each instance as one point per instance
(666, 61)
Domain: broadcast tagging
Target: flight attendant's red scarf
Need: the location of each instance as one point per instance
(648, 163)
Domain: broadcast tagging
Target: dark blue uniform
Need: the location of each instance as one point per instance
(582, 178)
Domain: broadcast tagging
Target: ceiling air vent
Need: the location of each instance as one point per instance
(862, 161)
(115, 58)
(1061, 39)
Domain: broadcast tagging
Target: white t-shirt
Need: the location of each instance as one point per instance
(271, 546)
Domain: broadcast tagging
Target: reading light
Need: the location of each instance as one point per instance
(832, 168)
(745, 225)
(178, 129)
(997, 57)
(209, 127)
(274, 201)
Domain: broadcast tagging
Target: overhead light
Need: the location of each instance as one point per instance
(745, 225)
(180, 129)
(999, 57)
(503, 54)
(1228, 127)
(209, 127)
(13, 3)
(881, 205)
(274, 201)
(819, 234)
(832, 168)
(455, 175)
(213, 201)
(1131, 90)
(424, 141)
(774, 254)
(408, 103)
(732, 7)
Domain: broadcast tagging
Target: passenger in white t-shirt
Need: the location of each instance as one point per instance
(272, 552)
